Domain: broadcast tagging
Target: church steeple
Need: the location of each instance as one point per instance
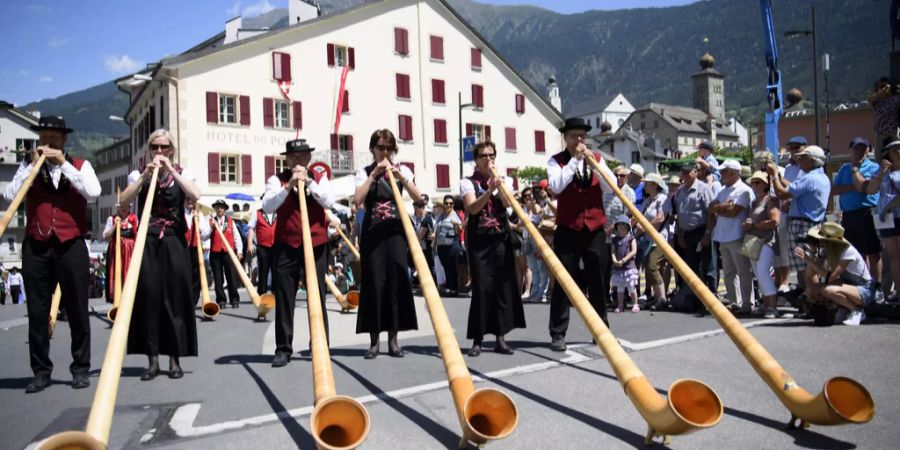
(709, 88)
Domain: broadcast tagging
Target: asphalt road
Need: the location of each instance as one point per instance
(231, 397)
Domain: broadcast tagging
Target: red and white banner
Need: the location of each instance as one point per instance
(340, 100)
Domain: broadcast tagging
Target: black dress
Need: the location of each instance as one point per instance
(385, 294)
(496, 306)
(163, 320)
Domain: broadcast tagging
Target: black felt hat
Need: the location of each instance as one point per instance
(296, 146)
(56, 123)
(220, 202)
(575, 123)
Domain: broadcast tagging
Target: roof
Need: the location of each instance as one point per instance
(590, 106)
(684, 119)
(276, 21)
(21, 114)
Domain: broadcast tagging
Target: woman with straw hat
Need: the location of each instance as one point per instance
(762, 223)
(655, 210)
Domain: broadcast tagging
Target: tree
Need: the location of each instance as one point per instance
(531, 174)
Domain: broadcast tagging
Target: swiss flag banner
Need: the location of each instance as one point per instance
(340, 99)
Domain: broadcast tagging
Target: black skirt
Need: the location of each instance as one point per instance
(496, 306)
(385, 295)
(163, 321)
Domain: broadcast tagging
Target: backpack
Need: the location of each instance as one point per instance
(685, 300)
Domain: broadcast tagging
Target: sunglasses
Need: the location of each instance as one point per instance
(384, 148)
(160, 146)
(488, 156)
(621, 175)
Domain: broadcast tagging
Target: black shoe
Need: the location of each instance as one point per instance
(80, 381)
(558, 344)
(399, 353)
(281, 360)
(150, 373)
(475, 351)
(371, 354)
(176, 373)
(235, 304)
(39, 383)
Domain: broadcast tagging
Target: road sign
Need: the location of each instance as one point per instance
(469, 148)
(321, 167)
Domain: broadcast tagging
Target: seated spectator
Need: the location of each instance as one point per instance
(838, 275)
(887, 183)
(762, 222)
(707, 163)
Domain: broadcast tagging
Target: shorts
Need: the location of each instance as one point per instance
(867, 293)
(798, 228)
(859, 229)
(892, 232)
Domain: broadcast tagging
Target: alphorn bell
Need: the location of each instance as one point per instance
(117, 272)
(338, 421)
(96, 434)
(208, 308)
(17, 200)
(690, 405)
(484, 414)
(264, 303)
(347, 302)
(54, 308)
(842, 400)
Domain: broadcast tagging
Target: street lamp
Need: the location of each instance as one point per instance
(815, 58)
(461, 157)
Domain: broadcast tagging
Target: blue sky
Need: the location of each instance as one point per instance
(53, 47)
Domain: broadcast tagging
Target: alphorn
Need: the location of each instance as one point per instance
(347, 302)
(208, 308)
(691, 404)
(337, 226)
(17, 200)
(842, 400)
(54, 308)
(264, 303)
(337, 421)
(96, 434)
(117, 272)
(484, 414)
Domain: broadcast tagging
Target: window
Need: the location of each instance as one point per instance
(442, 172)
(403, 91)
(440, 131)
(539, 144)
(510, 138)
(281, 114)
(405, 128)
(162, 112)
(635, 157)
(341, 56)
(228, 169)
(478, 96)
(520, 104)
(597, 123)
(476, 59)
(227, 109)
(437, 48)
(401, 41)
(281, 66)
(280, 164)
(274, 164)
(513, 173)
(437, 92)
(481, 132)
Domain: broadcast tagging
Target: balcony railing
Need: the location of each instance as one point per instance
(342, 162)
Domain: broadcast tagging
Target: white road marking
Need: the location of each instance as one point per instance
(688, 337)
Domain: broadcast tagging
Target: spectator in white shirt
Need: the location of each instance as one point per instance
(727, 214)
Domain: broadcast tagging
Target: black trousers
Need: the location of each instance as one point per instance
(222, 266)
(285, 280)
(701, 262)
(264, 263)
(14, 292)
(44, 264)
(573, 247)
(195, 275)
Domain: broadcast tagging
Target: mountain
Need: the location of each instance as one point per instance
(647, 54)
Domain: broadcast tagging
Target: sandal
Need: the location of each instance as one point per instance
(475, 351)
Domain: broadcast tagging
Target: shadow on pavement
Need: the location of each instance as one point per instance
(301, 437)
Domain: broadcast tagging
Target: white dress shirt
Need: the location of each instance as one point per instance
(84, 181)
(205, 229)
(276, 193)
(235, 233)
(559, 177)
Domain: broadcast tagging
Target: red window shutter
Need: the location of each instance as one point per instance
(268, 113)
(212, 167)
(409, 130)
(513, 173)
(246, 169)
(468, 129)
(269, 167)
(520, 104)
(349, 142)
(539, 145)
(345, 107)
(510, 138)
(398, 41)
(478, 96)
(443, 175)
(440, 131)
(351, 57)
(330, 50)
(476, 58)
(334, 142)
(405, 125)
(212, 107)
(487, 132)
(403, 86)
(437, 92)
(285, 67)
(245, 109)
(298, 115)
(405, 42)
(437, 48)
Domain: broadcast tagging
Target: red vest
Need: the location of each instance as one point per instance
(217, 245)
(288, 224)
(51, 213)
(190, 236)
(579, 206)
(265, 232)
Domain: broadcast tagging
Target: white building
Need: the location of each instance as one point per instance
(612, 110)
(15, 136)
(112, 165)
(741, 131)
(406, 63)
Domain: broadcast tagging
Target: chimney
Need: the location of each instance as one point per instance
(553, 93)
(302, 10)
(231, 30)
